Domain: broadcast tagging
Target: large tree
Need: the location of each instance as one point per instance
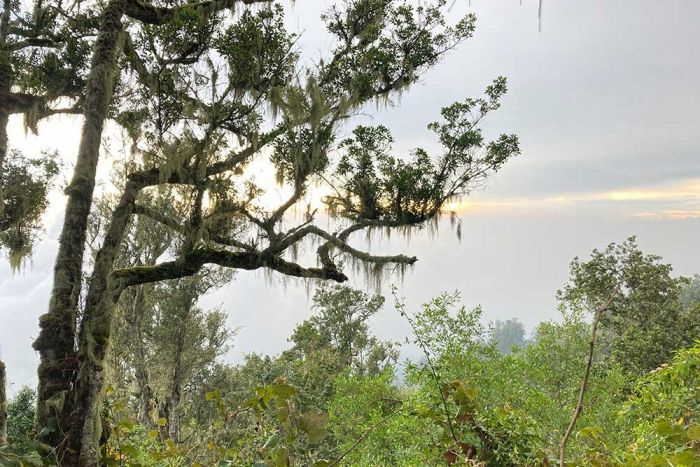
(507, 335)
(211, 94)
(115, 22)
(3, 405)
(42, 68)
(643, 318)
(335, 341)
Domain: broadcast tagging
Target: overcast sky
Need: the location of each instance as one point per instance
(605, 102)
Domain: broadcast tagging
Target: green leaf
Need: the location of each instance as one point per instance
(668, 430)
(33, 458)
(283, 391)
(657, 460)
(281, 457)
(315, 425)
(685, 458)
(129, 450)
(271, 442)
(694, 432)
(126, 425)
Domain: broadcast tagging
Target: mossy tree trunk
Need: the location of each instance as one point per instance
(176, 390)
(56, 340)
(95, 332)
(140, 359)
(5, 88)
(3, 405)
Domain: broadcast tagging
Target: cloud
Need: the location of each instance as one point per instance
(674, 201)
(670, 214)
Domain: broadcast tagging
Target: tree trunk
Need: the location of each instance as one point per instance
(582, 390)
(95, 332)
(5, 88)
(3, 405)
(56, 340)
(4, 122)
(140, 360)
(176, 391)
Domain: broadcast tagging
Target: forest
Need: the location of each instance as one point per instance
(132, 366)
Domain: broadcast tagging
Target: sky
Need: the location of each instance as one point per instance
(604, 100)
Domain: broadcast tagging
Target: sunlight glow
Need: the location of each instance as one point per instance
(676, 201)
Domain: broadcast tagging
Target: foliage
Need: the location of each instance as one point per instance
(341, 329)
(25, 185)
(690, 292)
(645, 320)
(663, 414)
(507, 335)
(20, 423)
(22, 449)
(658, 424)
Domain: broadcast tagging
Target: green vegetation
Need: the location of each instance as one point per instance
(131, 368)
(341, 396)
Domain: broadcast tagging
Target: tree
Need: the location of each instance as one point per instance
(25, 185)
(634, 298)
(42, 68)
(690, 292)
(195, 132)
(645, 321)
(144, 243)
(163, 341)
(341, 328)
(658, 424)
(21, 424)
(508, 335)
(185, 341)
(466, 401)
(337, 340)
(59, 360)
(3, 405)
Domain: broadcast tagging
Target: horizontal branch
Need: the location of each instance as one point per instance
(20, 102)
(339, 242)
(151, 14)
(194, 261)
(31, 42)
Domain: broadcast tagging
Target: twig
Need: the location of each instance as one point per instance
(584, 383)
(363, 436)
(429, 361)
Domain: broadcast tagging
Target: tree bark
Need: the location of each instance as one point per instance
(56, 340)
(95, 332)
(4, 119)
(3, 405)
(5, 89)
(176, 391)
(140, 360)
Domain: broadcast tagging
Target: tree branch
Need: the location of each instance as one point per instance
(584, 383)
(151, 14)
(194, 261)
(171, 223)
(339, 242)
